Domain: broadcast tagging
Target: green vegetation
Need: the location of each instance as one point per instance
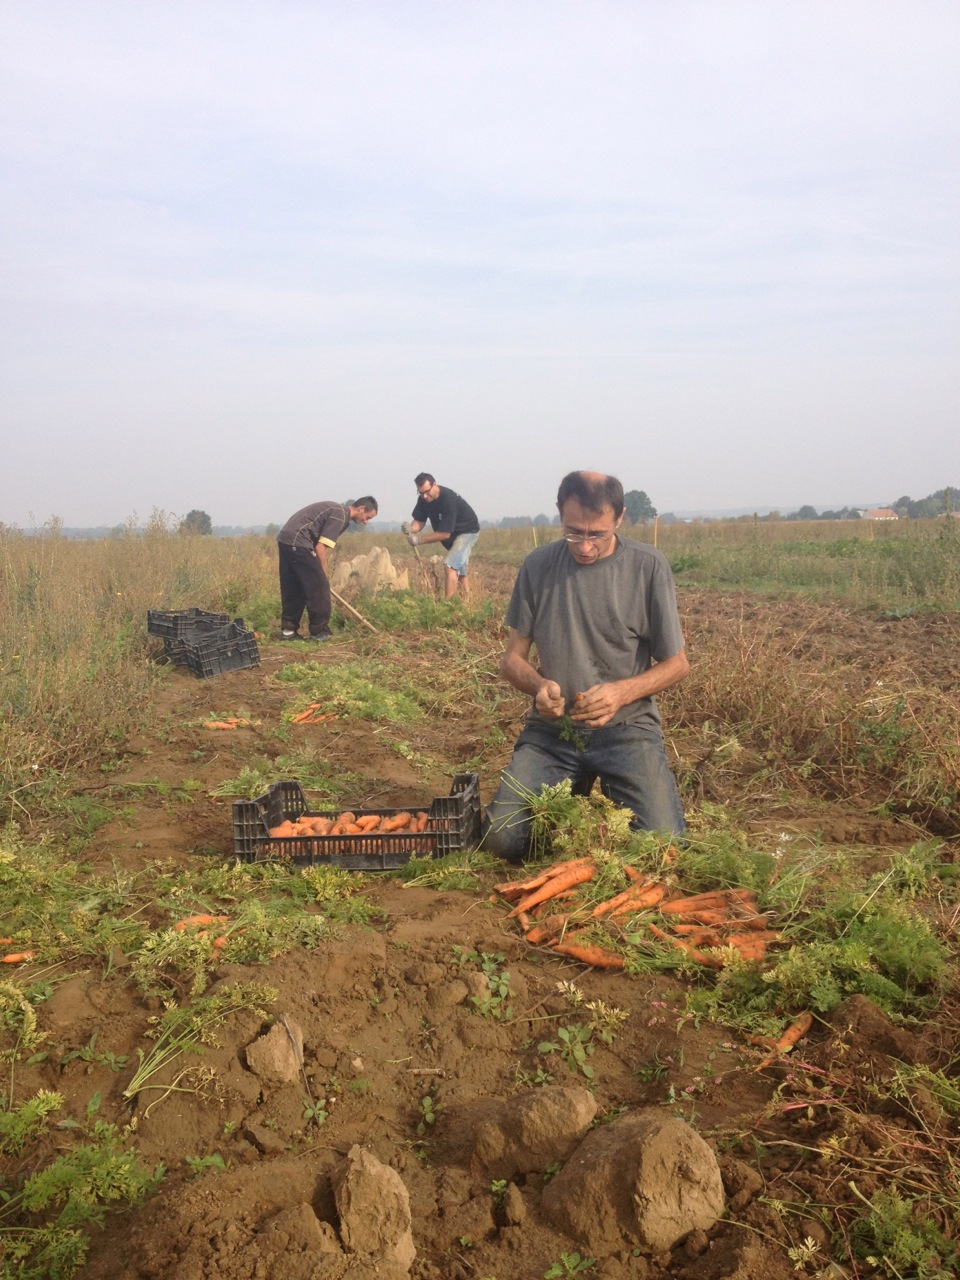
(350, 689)
(66, 1197)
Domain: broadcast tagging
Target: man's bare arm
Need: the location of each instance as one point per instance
(518, 670)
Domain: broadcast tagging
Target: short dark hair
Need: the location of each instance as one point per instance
(423, 477)
(592, 490)
(368, 503)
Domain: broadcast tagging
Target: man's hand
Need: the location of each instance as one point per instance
(405, 529)
(597, 705)
(549, 699)
(413, 539)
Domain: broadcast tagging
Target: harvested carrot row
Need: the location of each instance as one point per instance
(5, 942)
(794, 1033)
(17, 957)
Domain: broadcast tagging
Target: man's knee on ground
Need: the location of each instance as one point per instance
(505, 841)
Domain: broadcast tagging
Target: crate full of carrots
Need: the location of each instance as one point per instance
(280, 826)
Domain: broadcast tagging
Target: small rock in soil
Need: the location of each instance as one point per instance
(274, 1057)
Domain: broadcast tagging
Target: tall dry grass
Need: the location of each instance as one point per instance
(75, 663)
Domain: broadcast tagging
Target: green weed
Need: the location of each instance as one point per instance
(495, 1002)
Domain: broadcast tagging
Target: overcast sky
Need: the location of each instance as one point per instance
(258, 254)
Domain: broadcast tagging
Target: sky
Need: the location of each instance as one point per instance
(259, 253)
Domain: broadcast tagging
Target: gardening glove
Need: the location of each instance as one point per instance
(405, 528)
(413, 539)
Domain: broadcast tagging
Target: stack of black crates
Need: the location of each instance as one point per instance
(209, 644)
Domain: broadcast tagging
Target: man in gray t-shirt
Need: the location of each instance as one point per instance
(602, 615)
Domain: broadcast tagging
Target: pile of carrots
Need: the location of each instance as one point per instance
(232, 722)
(203, 924)
(349, 824)
(704, 926)
(314, 714)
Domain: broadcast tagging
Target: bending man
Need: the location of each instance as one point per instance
(305, 543)
(602, 613)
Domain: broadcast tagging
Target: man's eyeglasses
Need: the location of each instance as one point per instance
(423, 492)
(589, 535)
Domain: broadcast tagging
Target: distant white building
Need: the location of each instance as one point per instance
(879, 513)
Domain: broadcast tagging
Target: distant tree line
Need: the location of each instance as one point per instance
(935, 504)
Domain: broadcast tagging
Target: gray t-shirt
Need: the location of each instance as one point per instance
(593, 623)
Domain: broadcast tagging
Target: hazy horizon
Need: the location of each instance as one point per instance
(267, 254)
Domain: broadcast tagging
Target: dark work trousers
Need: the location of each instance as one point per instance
(303, 585)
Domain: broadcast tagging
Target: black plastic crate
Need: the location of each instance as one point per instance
(453, 824)
(181, 624)
(231, 648)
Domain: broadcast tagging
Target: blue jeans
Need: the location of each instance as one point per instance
(629, 761)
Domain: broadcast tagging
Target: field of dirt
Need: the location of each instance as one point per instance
(386, 1017)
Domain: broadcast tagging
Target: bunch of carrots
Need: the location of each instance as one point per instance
(204, 925)
(314, 714)
(232, 722)
(703, 926)
(349, 824)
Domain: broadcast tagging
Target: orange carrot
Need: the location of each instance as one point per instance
(718, 900)
(511, 889)
(535, 882)
(751, 938)
(554, 886)
(369, 822)
(396, 823)
(218, 724)
(547, 930)
(351, 829)
(633, 874)
(198, 920)
(795, 1032)
(17, 957)
(611, 904)
(701, 935)
(306, 715)
(286, 828)
(523, 920)
(700, 957)
(641, 901)
(422, 818)
(5, 942)
(706, 915)
(598, 957)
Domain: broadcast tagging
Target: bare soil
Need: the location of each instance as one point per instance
(384, 1020)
